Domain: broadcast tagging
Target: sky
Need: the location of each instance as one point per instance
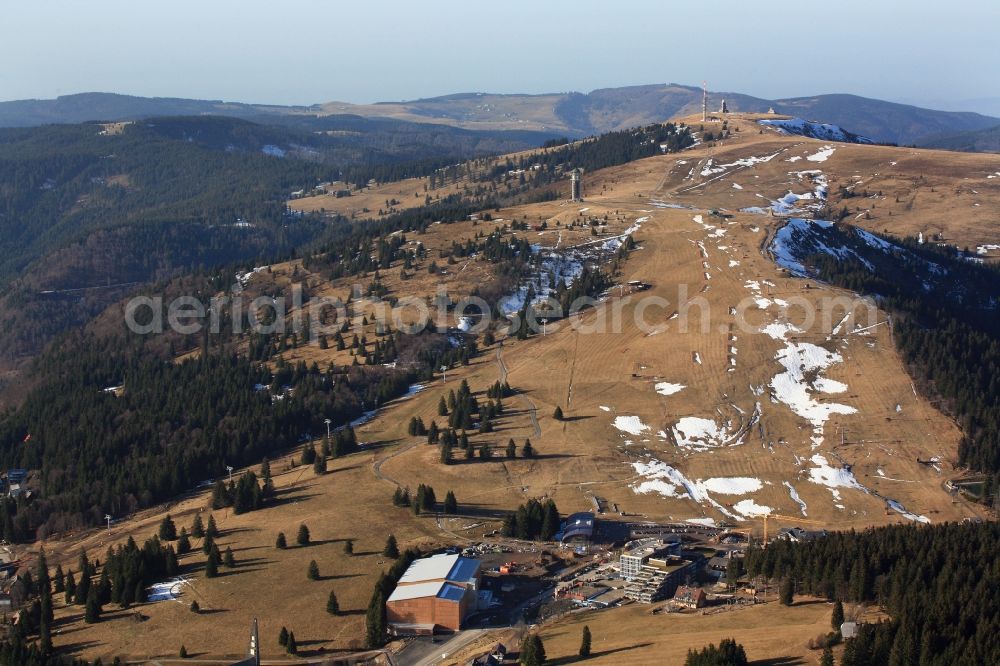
(310, 51)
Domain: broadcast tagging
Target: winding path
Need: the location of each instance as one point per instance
(532, 411)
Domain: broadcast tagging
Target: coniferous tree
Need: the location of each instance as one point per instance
(302, 538)
(585, 643)
(44, 637)
(511, 449)
(332, 605)
(183, 543)
(558, 413)
(70, 587)
(211, 531)
(211, 566)
(195, 608)
(786, 592)
(313, 572)
(375, 621)
(391, 549)
(197, 528)
(349, 547)
(92, 614)
(182, 653)
(280, 542)
(228, 559)
(292, 647)
(450, 503)
(283, 637)
(837, 618)
(527, 451)
(168, 531)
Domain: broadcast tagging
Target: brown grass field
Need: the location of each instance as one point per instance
(596, 377)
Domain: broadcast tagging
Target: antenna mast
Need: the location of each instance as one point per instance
(704, 101)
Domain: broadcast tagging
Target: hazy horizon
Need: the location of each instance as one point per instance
(309, 52)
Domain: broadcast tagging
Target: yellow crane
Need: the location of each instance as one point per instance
(791, 519)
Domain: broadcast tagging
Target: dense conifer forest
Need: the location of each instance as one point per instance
(938, 584)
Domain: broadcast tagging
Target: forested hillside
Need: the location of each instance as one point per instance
(938, 584)
(946, 325)
(88, 212)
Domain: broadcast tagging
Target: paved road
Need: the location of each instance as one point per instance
(532, 411)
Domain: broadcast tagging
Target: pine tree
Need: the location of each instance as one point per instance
(44, 636)
(332, 605)
(183, 543)
(302, 538)
(182, 653)
(526, 655)
(211, 531)
(228, 559)
(558, 413)
(585, 643)
(283, 637)
(349, 547)
(168, 531)
(292, 648)
(450, 503)
(92, 614)
(70, 587)
(313, 572)
(280, 542)
(391, 549)
(838, 615)
(827, 658)
(197, 528)
(375, 619)
(59, 584)
(442, 407)
(527, 451)
(786, 593)
(308, 454)
(319, 465)
(211, 566)
(195, 608)
(511, 449)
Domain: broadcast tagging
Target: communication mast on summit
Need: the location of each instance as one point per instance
(704, 101)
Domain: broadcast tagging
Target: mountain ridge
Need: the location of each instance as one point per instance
(573, 113)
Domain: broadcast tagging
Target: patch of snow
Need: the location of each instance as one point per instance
(630, 424)
(736, 485)
(795, 497)
(751, 509)
(901, 510)
(745, 162)
(666, 388)
(823, 155)
(832, 477)
(167, 591)
(705, 522)
(605, 408)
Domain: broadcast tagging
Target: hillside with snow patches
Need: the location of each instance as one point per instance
(814, 130)
(806, 375)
